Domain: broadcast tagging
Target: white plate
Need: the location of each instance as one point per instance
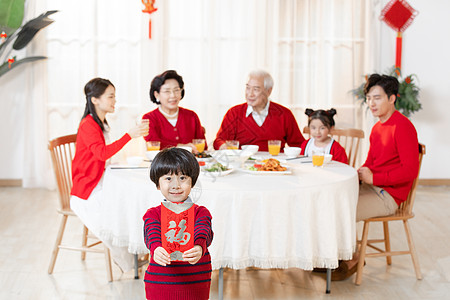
(218, 173)
(287, 172)
(205, 159)
(260, 158)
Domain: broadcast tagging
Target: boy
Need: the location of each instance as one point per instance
(175, 172)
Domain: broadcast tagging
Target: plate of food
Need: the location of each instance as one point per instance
(203, 157)
(270, 167)
(216, 169)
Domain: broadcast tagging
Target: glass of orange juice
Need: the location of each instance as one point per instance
(153, 146)
(199, 144)
(232, 144)
(318, 158)
(274, 147)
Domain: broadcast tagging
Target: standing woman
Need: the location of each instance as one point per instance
(170, 124)
(93, 149)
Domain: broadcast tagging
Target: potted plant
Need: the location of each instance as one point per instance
(14, 36)
(408, 93)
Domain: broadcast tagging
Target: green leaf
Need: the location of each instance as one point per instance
(4, 68)
(11, 15)
(29, 30)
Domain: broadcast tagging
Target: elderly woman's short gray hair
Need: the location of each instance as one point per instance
(268, 80)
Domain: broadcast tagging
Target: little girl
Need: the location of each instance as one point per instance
(320, 123)
(175, 172)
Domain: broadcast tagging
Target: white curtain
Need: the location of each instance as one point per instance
(316, 50)
(37, 170)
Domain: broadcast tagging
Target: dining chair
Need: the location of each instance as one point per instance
(349, 138)
(403, 213)
(62, 150)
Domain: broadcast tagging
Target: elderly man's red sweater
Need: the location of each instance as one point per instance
(280, 124)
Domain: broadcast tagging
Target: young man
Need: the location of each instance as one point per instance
(393, 159)
(392, 163)
(259, 120)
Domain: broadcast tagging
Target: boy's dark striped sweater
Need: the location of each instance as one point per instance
(179, 280)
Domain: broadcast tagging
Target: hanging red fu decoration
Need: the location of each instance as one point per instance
(149, 8)
(398, 14)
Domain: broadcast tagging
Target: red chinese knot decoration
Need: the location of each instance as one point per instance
(177, 228)
(149, 8)
(3, 37)
(398, 14)
(10, 62)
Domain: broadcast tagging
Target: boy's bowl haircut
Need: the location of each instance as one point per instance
(173, 161)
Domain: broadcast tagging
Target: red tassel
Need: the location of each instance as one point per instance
(150, 29)
(398, 54)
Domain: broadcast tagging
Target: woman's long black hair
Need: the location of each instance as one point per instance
(95, 88)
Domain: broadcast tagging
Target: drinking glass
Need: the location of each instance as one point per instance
(232, 144)
(274, 147)
(199, 144)
(317, 158)
(153, 146)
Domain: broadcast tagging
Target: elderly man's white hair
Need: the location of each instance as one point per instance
(268, 80)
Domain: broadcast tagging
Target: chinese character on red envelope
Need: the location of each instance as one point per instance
(177, 228)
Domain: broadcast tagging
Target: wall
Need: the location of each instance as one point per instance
(425, 49)
(12, 105)
(425, 53)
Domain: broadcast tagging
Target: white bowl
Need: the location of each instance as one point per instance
(228, 152)
(327, 158)
(134, 161)
(250, 149)
(230, 157)
(151, 154)
(292, 152)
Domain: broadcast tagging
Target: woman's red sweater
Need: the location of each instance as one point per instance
(91, 154)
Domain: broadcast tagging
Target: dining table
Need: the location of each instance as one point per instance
(302, 218)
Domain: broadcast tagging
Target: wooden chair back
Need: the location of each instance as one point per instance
(407, 205)
(349, 138)
(62, 150)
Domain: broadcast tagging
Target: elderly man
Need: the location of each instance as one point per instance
(259, 120)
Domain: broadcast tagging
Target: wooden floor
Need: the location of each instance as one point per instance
(28, 227)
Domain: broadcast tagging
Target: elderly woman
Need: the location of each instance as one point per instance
(170, 124)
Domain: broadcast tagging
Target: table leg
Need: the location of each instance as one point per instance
(221, 284)
(328, 280)
(136, 267)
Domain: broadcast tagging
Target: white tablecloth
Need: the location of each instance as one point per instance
(303, 220)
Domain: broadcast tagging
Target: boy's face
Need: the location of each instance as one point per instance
(175, 187)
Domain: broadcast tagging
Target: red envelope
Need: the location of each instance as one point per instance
(177, 228)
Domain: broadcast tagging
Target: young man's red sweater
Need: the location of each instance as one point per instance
(394, 156)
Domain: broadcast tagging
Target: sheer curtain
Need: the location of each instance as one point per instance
(320, 56)
(37, 170)
(316, 50)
